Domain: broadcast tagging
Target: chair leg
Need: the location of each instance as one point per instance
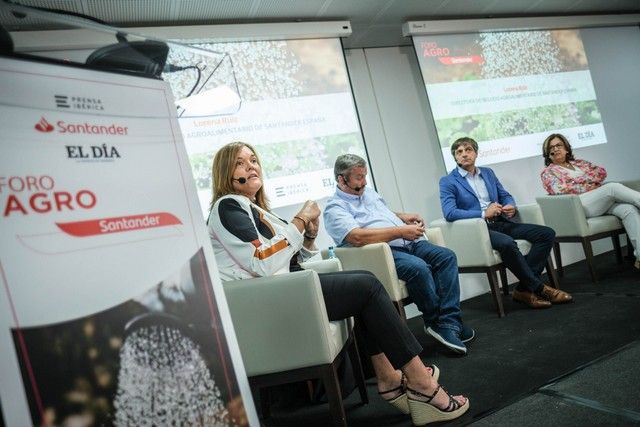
(495, 290)
(400, 307)
(616, 245)
(263, 392)
(588, 252)
(558, 256)
(554, 281)
(332, 387)
(311, 390)
(504, 281)
(358, 373)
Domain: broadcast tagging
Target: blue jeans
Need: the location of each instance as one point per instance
(431, 274)
(527, 269)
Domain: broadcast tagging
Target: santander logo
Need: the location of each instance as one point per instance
(84, 128)
(44, 126)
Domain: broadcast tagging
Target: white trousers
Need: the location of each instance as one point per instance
(615, 199)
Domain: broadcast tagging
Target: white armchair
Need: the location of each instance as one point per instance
(323, 265)
(378, 259)
(565, 214)
(284, 335)
(469, 239)
(633, 184)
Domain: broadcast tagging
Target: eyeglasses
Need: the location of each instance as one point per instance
(559, 144)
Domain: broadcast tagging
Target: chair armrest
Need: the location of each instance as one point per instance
(531, 214)
(323, 265)
(633, 184)
(469, 239)
(435, 236)
(376, 258)
(565, 214)
(271, 313)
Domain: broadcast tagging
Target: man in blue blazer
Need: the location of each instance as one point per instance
(475, 192)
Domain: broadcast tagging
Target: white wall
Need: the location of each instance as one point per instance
(403, 148)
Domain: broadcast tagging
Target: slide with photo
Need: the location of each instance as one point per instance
(509, 90)
(290, 99)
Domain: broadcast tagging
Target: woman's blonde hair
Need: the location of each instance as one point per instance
(222, 169)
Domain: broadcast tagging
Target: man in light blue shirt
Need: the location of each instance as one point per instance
(356, 215)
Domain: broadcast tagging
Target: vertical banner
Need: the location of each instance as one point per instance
(111, 308)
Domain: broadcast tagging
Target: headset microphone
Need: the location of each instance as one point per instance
(241, 180)
(356, 189)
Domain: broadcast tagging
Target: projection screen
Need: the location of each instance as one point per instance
(290, 99)
(509, 90)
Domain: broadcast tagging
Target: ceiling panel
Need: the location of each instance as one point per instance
(374, 22)
(69, 5)
(515, 7)
(461, 7)
(13, 23)
(204, 10)
(356, 11)
(547, 7)
(287, 9)
(589, 6)
(404, 10)
(130, 11)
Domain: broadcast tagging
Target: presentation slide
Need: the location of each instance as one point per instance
(289, 99)
(509, 91)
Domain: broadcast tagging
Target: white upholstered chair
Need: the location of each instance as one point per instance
(284, 333)
(565, 214)
(378, 259)
(633, 184)
(469, 239)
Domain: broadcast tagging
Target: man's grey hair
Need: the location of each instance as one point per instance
(345, 163)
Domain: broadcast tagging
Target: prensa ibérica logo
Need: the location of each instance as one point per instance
(75, 102)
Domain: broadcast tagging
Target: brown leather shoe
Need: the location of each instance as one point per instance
(530, 298)
(555, 296)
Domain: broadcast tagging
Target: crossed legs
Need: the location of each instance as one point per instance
(527, 269)
(393, 348)
(616, 199)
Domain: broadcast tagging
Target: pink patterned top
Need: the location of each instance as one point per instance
(557, 180)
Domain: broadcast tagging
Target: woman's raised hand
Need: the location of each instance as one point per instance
(309, 212)
(311, 229)
(308, 217)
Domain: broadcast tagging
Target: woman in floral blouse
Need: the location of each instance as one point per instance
(564, 174)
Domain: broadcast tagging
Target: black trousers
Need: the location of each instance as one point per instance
(361, 295)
